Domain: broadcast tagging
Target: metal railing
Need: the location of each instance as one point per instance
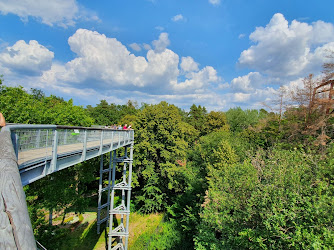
(44, 149)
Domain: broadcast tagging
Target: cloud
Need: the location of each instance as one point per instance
(107, 64)
(247, 83)
(214, 2)
(162, 43)
(222, 86)
(253, 100)
(104, 59)
(241, 97)
(198, 80)
(56, 12)
(322, 32)
(27, 59)
(147, 46)
(286, 50)
(135, 46)
(160, 28)
(241, 36)
(283, 54)
(188, 64)
(178, 18)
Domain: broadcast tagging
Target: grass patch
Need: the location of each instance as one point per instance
(84, 235)
(145, 232)
(142, 227)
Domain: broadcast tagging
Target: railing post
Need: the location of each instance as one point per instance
(112, 142)
(101, 142)
(54, 152)
(84, 151)
(38, 138)
(119, 139)
(15, 140)
(65, 137)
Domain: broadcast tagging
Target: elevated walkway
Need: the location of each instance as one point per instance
(34, 151)
(45, 149)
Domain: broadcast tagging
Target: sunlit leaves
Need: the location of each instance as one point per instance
(162, 140)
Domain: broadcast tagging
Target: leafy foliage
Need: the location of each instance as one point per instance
(280, 200)
(239, 119)
(18, 106)
(161, 143)
(108, 114)
(197, 117)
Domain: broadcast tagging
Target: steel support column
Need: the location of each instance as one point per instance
(120, 232)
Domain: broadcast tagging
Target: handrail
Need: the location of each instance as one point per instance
(12, 126)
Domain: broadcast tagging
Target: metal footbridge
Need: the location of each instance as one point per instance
(41, 150)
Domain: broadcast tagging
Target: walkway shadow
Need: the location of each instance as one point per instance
(91, 238)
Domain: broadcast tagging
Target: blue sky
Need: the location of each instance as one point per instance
(216, 53)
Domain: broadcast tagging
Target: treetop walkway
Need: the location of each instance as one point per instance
(45, 149)
(30, 152)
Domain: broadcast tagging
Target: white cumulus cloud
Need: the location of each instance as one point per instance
(135, 46)
(162, 43)
(56, 12)
(177, 18)
(247, 83)
(106, 63)
(241, 36)
(214, 2)
(198, 80)
(283, 49)
(160, 28)
(188, 64)
(102, 58)
(27, 59)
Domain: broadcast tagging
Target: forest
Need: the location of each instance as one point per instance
(240, 179)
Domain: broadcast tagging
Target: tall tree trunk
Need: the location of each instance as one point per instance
(50, 216)
(65, 211)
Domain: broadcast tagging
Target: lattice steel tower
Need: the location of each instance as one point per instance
(118, 198)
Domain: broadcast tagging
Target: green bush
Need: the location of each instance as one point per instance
(282, 199)
(51, 237)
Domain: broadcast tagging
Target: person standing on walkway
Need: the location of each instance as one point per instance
(2, 120)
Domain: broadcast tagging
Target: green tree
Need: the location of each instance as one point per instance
(239, 119)
(18, 106)
(103, 113)
(279, 199)
(161, 144)
(108, 114)
(197, 117)
(215, 121)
